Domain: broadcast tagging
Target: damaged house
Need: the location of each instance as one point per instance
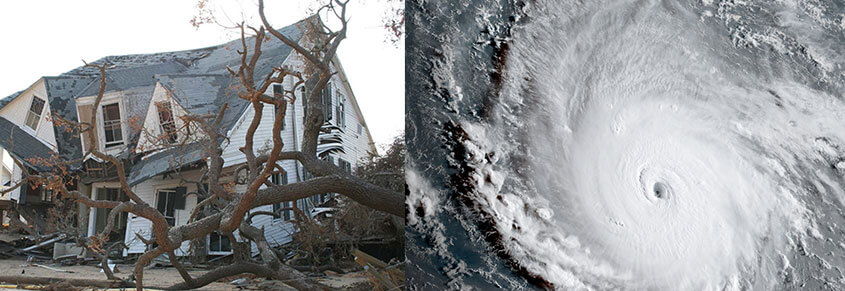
(140, 121)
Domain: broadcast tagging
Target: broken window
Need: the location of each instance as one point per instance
(218, 243)
(34, 114)
(111, 125)
(165, 120)
(168, 201)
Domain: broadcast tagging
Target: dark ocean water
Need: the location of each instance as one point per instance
(650, 145)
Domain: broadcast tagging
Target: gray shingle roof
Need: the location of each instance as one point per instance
(60, 93)
(203, 94)
(139, 76)
(193, 75)
(7, 99)
(165, 161)
(209, 60)
(22, 145)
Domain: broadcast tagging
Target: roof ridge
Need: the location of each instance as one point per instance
(194, 75)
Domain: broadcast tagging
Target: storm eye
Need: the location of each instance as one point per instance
(660, 190)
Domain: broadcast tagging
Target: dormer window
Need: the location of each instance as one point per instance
(165, 119)
(34, 114)
(112, 130)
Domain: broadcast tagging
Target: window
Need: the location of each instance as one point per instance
(102, 214)
(111, 125)
(168, 201)
(34, 114)
(360, 128)
(5, 178)
(6, 169)
(281, 178)
(341, 114)
(46, 194)
(277, 90)
(218, 243)
(346, 166)
(304, 103)
(165, 120)
(327, 102)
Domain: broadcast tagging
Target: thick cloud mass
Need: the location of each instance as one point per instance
(668, 145)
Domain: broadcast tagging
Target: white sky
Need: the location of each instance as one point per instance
(47, 38)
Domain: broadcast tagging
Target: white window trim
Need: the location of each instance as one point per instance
(208, 247)
(101, 127)
(40, 116)
(175, 211)
(108, 98)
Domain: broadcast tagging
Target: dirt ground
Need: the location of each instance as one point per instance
(156, 277)
(159, 277)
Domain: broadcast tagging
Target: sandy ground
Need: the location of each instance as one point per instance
(160, 277)
(155, 277)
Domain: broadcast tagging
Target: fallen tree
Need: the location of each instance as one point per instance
(318, 52)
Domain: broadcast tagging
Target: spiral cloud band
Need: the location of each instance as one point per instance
(635, 144)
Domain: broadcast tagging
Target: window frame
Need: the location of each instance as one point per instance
(166, 203)
(221, 251)
(282, 179)
(327, 102)
(172, 135)
(341, 111)
(102, 123)
(110, 194)
(38, 115)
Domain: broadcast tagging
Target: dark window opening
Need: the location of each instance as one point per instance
(341, 114)
(219, 243)
(327, 102)
(102, 214)
(165, 119)
(304, 103)
(168, 201)
(346, 166)
(281, 178)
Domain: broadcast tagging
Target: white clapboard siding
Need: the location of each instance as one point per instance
(147, 191)
(17, 110)
(277, 231)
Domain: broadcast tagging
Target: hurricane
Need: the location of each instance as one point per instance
(644, 145)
